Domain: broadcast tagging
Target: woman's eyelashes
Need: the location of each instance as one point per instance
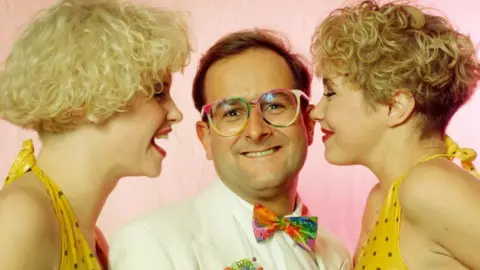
(329, 94)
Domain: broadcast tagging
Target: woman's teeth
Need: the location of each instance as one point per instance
(157, 139)
(162, 136)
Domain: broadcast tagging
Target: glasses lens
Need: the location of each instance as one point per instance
(279, 108)
(229, 116)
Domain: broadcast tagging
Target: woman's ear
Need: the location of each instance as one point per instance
(401, 108)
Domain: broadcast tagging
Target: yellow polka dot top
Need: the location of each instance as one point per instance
(76, 253)
(381, 250)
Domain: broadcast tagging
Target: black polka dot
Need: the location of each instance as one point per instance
(397, 219)
(374, 253)
(378, 268)
(376, 223)
(395, 204)
(386, 220)
(60, 193)
(375, 238)
(389, 254)
(75, 266)
(386, 239)
(65, 253)
(363, 267)
(393, 189)
(91, 255)
(76, 224)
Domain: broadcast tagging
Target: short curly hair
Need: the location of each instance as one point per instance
(381, 48)
(84, 60)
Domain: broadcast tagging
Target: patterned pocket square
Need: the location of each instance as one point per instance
(244, 264)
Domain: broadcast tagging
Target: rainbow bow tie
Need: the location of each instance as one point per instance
(303, 230)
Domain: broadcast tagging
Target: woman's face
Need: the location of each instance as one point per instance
(134, 137)
(351, 127)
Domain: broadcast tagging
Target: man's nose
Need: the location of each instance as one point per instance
(257, 129)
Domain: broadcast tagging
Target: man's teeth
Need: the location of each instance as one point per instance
(260, 154)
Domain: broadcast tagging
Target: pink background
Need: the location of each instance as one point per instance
(337, 195)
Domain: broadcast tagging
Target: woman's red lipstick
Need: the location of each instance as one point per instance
(327, 134)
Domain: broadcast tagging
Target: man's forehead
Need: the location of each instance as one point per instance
(247, 75)
(249, 95)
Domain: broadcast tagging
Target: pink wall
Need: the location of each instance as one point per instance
(337, 195)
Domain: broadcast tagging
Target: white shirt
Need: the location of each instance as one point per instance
(211, 232)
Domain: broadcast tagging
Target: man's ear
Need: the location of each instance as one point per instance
(309, 123)
(204, 136)
(401, 107)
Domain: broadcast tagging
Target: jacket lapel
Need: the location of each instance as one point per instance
(327, 253)
(219, 241)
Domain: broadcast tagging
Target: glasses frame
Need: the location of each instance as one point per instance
(206, 109)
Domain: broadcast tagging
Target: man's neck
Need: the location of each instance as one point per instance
(282, 206)
(281, 201)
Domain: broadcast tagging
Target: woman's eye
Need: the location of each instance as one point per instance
(329, 94)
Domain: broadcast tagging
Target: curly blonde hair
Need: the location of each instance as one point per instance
(84, 60)
(383, 48)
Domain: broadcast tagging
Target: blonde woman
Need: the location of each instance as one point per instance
(93, 79)
(394, 75)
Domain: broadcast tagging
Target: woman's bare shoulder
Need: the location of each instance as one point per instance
(27, 225)
(432, 182)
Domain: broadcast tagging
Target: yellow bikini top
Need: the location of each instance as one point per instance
(76, 253)
(382, 250)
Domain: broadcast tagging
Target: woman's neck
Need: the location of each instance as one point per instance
(396, 157)
(82, 174)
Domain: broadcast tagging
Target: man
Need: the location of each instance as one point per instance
(253, 128)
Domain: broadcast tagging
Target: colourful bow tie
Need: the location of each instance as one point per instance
(303, 230)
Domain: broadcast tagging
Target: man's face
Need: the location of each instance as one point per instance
(262, 160)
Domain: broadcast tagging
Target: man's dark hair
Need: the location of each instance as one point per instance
(239, 42)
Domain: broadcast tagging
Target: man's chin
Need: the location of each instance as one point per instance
(270, 185)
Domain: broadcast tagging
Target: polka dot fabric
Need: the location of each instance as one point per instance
(381, 250)
(76, 253)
